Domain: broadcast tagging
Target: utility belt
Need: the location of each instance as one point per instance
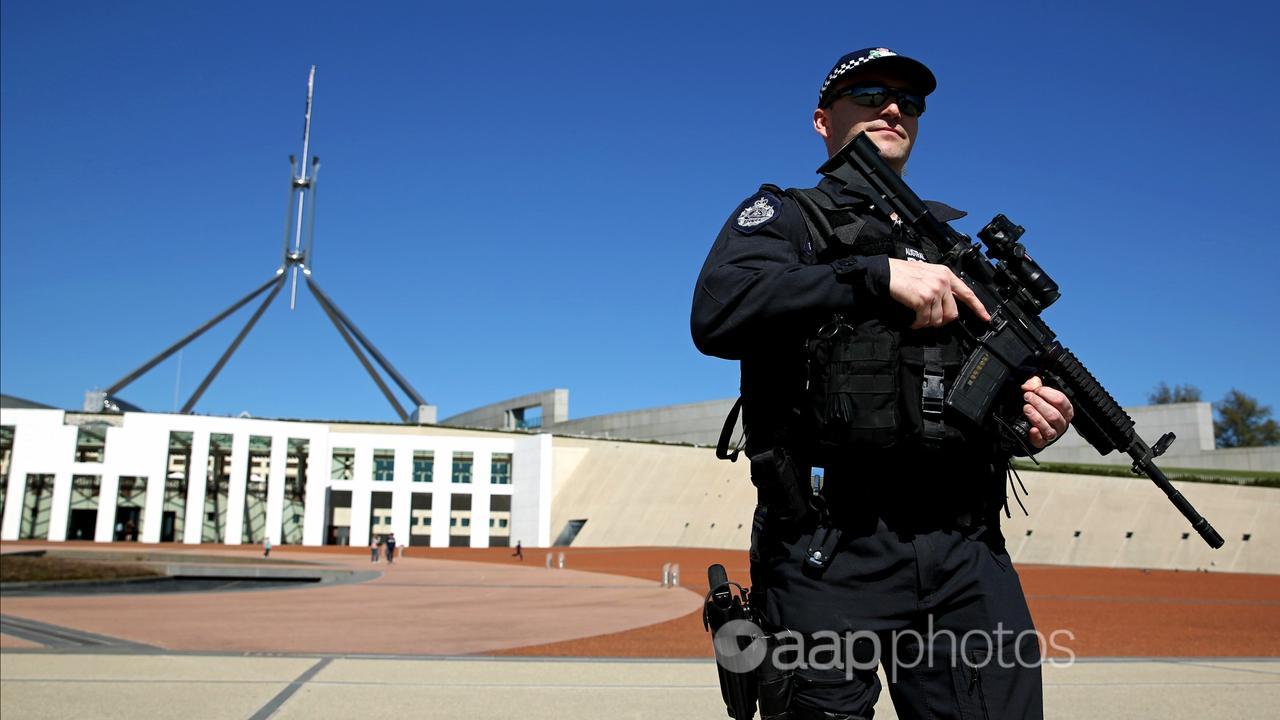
(906, 494)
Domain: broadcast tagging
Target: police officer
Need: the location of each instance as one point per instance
(878, 518)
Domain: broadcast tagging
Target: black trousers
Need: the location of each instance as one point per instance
(937, 604)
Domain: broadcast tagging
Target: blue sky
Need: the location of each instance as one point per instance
(515, 197)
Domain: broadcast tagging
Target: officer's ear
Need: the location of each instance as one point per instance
(822, 123)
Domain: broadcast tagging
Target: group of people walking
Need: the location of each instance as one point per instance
(383, 546)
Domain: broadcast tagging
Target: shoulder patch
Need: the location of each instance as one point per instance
(759, 210)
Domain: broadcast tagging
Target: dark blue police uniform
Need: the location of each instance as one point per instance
(919, 576)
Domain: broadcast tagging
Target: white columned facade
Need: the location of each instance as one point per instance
(362, 496)
(441, 497)
(108, 487)
(64, 444)
(531, 491)
(238, 489)
(40, 447)
(401, 493)
(197, 474)
(482, 464)
(319, 461)
(137, 445)
(151, 455)
(275, 485)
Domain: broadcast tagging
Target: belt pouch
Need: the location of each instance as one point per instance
(775, 475)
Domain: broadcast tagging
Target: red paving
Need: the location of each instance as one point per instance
(1110, 612)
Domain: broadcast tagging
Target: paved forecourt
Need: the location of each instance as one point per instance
(419, 641)
(417, 606)
(41, 685)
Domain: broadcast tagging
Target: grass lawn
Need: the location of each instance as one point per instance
(1261, 478)
(27, 568)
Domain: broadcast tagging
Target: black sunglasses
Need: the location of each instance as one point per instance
(875, 96)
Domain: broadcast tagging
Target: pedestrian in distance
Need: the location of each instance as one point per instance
(519, 553)
(373, 548)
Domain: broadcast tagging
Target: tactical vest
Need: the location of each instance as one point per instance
(873, 383)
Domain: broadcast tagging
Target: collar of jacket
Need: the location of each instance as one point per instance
(845, 186)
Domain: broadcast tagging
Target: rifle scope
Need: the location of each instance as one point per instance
(1001, 237)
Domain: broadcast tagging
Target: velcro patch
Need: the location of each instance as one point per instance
(759, 210)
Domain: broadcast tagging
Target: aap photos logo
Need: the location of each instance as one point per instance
(740, 646)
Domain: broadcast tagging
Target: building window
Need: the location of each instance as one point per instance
(423, 465)
(296, 461)
(384, 465)
(529, 418)
(82, 521)
(217, 490)
(173, 512)
(344, 464)
(259, 454)
(6, 456)
(91, 444)
(462, 468)
(453, 522)
(466, 522)
(500, 469)
(37, 506)
(502, 523)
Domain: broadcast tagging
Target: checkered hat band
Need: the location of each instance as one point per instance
(845, 67)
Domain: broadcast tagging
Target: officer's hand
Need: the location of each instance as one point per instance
(931, 291)
(1048, 411)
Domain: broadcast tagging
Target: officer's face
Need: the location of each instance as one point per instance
(891, 130)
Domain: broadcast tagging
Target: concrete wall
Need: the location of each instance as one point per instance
(1194, 447)
(502, 415)
(695, 423)
(700, 424)
(656, 495)
(649, 494)
(1104, 510)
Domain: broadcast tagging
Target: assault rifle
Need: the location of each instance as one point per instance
(1014, 290)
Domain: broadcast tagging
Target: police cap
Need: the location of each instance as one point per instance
(913, 72)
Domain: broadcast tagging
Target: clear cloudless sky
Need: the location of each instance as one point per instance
(515, 197)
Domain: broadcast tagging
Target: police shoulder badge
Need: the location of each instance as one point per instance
(758, 211)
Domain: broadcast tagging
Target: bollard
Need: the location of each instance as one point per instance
(666, 575)
(561, 562)
(548, 561)
(675, 575)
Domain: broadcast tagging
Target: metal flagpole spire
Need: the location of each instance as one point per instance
(299, 227)
(300, 187)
